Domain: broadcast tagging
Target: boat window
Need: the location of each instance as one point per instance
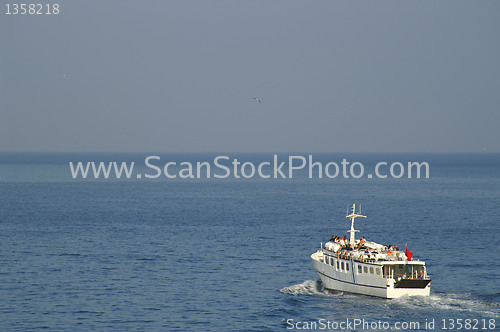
(360, 269)
(331, 261)
(378, 271)
(325, 259)
(347, 266)
(401, 269)
(371, 270)
(342, 265)
(338, 265)
(365, 269)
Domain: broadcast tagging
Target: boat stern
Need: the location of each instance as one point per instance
(409, 287)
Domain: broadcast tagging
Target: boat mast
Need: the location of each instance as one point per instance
(352, 216)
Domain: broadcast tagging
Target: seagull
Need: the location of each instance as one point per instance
(257, 99)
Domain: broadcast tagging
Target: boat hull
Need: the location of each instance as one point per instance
(350, 281)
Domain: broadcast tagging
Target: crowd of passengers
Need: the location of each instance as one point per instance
(344, 244)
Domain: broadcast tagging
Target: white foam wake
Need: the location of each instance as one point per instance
(308, 287)
(451, 302)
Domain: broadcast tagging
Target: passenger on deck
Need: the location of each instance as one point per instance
(362, 241)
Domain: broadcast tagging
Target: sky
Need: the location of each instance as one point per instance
(179, 76)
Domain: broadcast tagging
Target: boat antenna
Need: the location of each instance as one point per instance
(353, 215)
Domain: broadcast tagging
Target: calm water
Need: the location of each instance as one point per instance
(233, 255)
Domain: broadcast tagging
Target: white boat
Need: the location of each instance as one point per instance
(369, 268)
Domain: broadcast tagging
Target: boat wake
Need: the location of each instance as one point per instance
(308, 287)
(464, 303)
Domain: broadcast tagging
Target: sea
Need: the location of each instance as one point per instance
(161, 253)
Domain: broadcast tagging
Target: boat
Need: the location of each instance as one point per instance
(368, 268)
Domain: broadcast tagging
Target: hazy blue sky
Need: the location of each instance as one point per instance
(346, 76)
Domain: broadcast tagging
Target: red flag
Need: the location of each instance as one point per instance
(408, 253)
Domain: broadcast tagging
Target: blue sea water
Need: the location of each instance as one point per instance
(234, 254)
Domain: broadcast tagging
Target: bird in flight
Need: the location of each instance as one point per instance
(257, 99)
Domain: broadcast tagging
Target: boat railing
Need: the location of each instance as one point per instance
(415, 275)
